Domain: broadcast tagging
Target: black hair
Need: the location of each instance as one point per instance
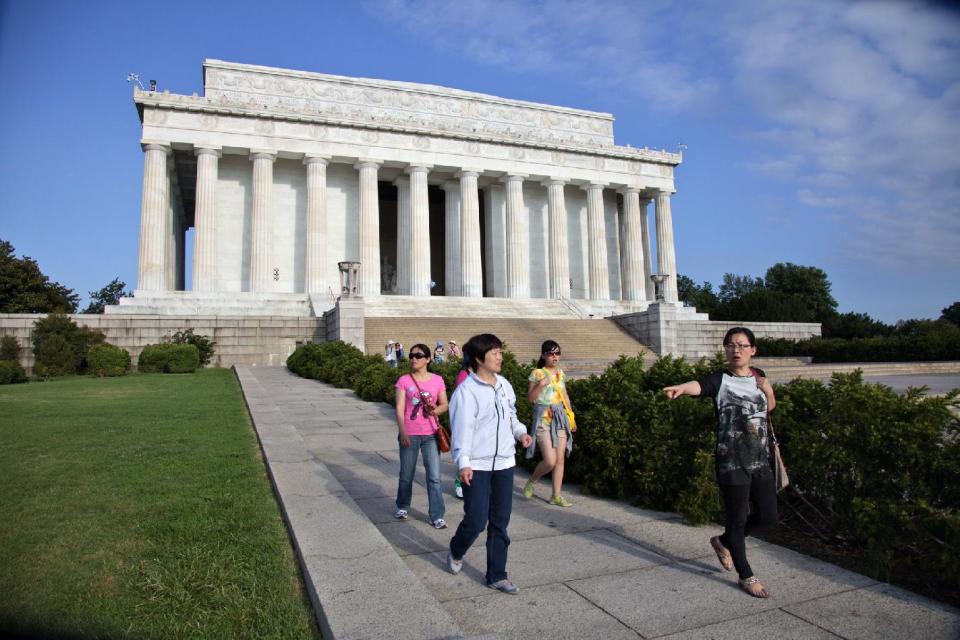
(477, 347)
(465, 352)
(545, 348)
(734, 331)
(422, 347)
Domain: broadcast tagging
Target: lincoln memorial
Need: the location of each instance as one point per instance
(282, 174)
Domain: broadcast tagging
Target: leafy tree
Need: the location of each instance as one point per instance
(700, 296)
(110, 294)
(808, 284)
(854, 325)
(952, 314)
(734, 287)
(25, 289)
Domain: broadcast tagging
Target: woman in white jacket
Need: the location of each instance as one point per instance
(485, 427)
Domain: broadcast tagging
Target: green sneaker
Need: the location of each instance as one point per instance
(528, 489)
(560, 501)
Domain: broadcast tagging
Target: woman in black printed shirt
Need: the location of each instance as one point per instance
(742, 399)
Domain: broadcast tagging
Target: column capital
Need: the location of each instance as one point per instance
(311, 158)
(468, 173)
(156, 145)
(263, 154)
(211, 150)
(367, 163)
(552, 181)
(413, 168)
(514, 177)
(627, 190)
(590, 186)
(662, 192)
(451, 185)
(401, 180)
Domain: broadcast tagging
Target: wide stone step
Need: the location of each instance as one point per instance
(594, 341)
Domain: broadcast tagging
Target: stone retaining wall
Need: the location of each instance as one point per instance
(681, 331)
(240, 340)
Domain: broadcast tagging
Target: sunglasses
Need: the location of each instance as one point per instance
(555, 352)
(417, 356)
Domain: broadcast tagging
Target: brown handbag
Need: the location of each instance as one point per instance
(443, 438)
(780, 477)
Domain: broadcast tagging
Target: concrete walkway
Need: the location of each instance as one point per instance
(600, 569)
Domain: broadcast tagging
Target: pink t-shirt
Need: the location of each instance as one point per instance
(414, 422)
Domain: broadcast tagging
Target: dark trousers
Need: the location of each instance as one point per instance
(487, 502)
(762, 493)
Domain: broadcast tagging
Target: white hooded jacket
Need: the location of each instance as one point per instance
(485, 427)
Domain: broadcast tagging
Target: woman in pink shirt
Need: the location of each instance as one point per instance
(421, 397)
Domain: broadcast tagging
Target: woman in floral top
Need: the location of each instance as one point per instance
(551, 425)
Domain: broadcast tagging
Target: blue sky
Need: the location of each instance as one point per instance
(819, 133)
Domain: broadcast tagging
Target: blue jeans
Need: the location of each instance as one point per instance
(431, 464)
(487, 503)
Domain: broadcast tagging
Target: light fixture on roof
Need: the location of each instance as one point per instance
(135, 77)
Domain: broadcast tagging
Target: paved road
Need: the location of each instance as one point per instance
(601, 569)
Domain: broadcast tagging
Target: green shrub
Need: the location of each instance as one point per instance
(915, 340)
(168, 358)
(204, 345)
(52, 358)
(153, 359)
(11, 372)
(9, 349)
(107, 360)
(182, 358)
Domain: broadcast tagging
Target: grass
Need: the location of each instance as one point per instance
(139, 507)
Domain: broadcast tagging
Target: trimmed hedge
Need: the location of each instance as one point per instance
(928, 341)
(60, 346)
(107, 360)
(168, 358)
(11, 372)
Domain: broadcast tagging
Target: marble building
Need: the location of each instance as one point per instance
(275, 176)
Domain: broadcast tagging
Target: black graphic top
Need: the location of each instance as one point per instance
(742, 426)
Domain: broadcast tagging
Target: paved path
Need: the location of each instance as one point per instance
(601, 569)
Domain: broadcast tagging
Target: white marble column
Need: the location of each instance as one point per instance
(633, 286)
(404, 257)
(419, 230)
(154, 207)
(452, 238)
(315, 256)
(369, 216)
(518, 239)
(471, 272)
(599, 277)
(666, 252)
(647, 249)
(559, 257)
(205, 220)
(261, 237)
(495, 240)
(172, 225)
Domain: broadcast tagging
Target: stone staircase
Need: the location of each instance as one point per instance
(198, 303)
(588, 345)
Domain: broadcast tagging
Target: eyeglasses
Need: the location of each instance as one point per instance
(552, 353)
(417, 356)
(737, 347)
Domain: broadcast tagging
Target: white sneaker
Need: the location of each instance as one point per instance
(401, 514)
(454, 566)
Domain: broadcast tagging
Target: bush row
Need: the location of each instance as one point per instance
(935, 341)
(883, 467)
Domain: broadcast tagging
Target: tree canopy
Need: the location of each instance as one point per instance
(109, 294)
(25, 289)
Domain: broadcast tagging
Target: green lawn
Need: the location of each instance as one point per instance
(139, 507)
